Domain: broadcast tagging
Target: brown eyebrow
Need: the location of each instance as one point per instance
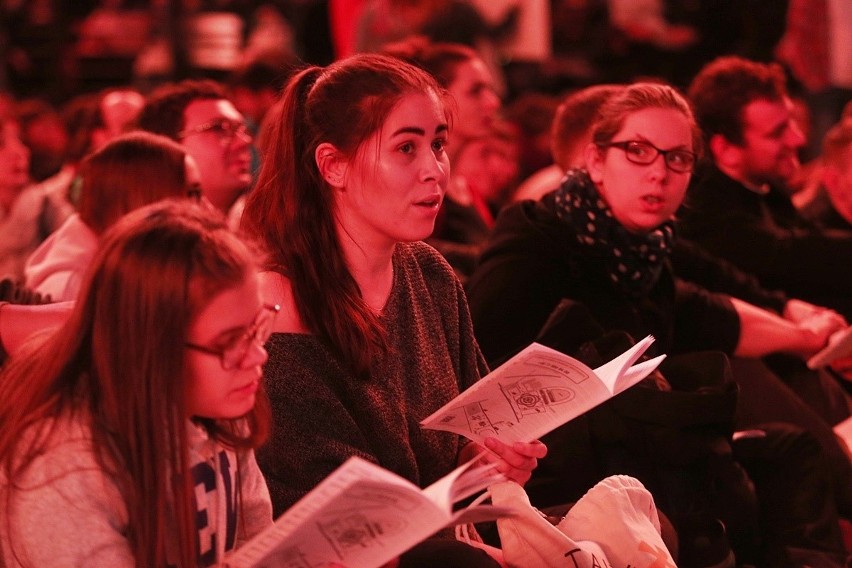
(419, 131)
(641, 138)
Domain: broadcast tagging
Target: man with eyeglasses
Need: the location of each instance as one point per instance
(739, 208)
(198, 114)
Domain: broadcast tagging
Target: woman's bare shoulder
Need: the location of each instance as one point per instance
(275, 289)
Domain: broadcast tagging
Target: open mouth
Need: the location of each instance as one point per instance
(432, 202)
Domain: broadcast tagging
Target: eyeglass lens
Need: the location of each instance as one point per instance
(645, 153)
(235, 354)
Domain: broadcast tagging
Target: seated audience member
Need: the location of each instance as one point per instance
(124, 432)
(465, 217)
(92, 120)
(199, 115)
(375, 333)
(44, 133)
(602, 240)
(28, 213)
(532, 114)
(254, 87)
(831, 205)
(737, 209)
(133, 170)
(570, 133)
(484, 167)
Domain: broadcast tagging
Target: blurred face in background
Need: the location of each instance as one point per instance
(14, 158)
(837, 179)
(118, 109)
(216, 137)
(771, 142)
(476, 100)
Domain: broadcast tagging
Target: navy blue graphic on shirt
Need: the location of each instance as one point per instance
(204, 477)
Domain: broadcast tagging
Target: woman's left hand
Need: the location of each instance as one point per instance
(516, 461)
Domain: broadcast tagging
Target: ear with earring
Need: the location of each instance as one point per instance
(330, 165)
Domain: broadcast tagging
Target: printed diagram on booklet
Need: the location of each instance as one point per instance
(528, 395)
(536, 391)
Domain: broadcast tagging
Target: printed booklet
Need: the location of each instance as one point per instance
(362, 516)
(536, 391)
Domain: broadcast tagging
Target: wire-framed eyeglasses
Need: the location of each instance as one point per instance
(233, 355)
(225, 130)
(644, 153)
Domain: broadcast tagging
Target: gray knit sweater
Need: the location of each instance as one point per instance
(323, 414)
(65, 510)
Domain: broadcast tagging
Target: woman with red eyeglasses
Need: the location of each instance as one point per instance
(592, 256)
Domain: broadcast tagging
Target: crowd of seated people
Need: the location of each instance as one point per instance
(196, 295)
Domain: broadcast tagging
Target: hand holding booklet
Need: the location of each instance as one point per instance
(536, 391)
(362, 516)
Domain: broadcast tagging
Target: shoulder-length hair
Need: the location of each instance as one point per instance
(291, 210)
(119, 362)
(132, 170)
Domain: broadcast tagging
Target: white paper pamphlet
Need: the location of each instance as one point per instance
(362, 516)
(536, 391)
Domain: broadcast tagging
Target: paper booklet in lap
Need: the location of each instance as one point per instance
(536, 391)
(362, 516)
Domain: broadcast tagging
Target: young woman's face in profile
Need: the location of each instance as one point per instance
(394, 185)
(225, 323)
(477, 102)
(642, 197)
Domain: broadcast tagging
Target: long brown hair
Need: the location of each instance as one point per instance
(132, 170)
(291, 210)
(119, 362)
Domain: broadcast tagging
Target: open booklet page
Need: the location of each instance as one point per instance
(362, 516)
(536, 391)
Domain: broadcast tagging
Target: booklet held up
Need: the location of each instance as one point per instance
(362, 516)
(536, 391)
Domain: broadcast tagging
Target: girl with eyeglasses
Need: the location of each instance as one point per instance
(130, 171)
(127, 435)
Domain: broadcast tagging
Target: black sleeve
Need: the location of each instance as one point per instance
(704, 320)
(693, 263)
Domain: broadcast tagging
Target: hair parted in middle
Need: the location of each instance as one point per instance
(291, 210)
(120, 359)
(132, 170)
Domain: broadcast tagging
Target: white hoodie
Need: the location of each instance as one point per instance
(57, 266)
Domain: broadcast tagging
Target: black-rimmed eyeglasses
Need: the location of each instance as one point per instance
(233, 355)
(644, 153)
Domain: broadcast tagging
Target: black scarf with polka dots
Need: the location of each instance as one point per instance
(635, 260)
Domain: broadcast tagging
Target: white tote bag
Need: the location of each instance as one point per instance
(615, 524)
